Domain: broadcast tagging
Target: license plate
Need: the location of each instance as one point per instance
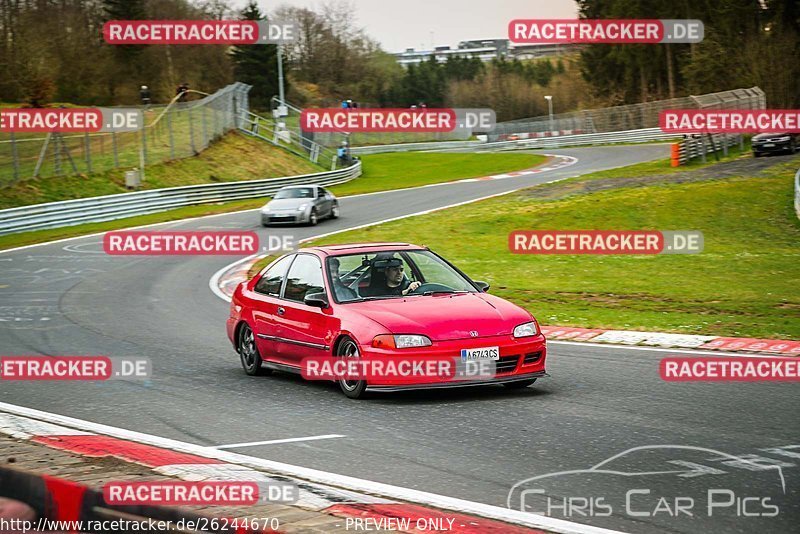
(482, 353)
(767, 145)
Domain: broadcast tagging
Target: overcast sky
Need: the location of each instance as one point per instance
(401, 24)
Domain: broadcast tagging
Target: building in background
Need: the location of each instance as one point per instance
(486, 50)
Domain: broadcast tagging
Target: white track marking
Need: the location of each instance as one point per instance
(276, 441)
(321, 477)
(213, 282)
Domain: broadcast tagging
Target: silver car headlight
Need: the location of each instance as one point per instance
(302, 207)
(782, 139)
(405, 341)
(525, 330)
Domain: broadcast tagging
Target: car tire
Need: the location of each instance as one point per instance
(522, 384)
(335, 211)
(352, 389)
(248, 352)
(312, 218)
(756, 154)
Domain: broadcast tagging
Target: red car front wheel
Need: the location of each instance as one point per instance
(353, 389)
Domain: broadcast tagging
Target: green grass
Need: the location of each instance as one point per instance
(744, 283)
(234, 157)
(383, 172)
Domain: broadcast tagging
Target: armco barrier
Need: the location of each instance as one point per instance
(110, 207)
(56, 499)
(632, 136)
(698, 146)
(797, 193)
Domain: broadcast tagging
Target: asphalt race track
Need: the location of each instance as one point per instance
(71, 299)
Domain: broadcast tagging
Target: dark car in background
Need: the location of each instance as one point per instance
(775, 143)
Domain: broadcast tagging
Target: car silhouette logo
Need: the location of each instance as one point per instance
(473, 333)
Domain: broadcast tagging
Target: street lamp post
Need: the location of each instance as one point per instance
(549, 99)
(280, 75)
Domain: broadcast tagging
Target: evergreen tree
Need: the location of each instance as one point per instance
(257, 65)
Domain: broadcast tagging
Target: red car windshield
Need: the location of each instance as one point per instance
(393, 274)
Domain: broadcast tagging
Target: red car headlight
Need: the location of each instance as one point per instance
(526, 330)
(400, 341)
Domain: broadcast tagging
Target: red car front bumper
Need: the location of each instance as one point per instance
(520, 359)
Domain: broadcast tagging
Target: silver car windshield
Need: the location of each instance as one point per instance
(295, 192)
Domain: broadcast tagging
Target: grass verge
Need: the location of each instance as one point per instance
(383, 172)
(234, 157)
(743, 284)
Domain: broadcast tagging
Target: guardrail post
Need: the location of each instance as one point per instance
(725, 145)
(702, 149)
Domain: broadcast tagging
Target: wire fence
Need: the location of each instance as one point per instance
(290, 139)
(174, 131)
(623, 118)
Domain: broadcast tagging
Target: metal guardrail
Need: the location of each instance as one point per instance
(645, 135)
(111, 207)
(633, 136)
(692, 147)
(797, 193)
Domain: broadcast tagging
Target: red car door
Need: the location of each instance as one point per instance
(266, 301)
(305, 330)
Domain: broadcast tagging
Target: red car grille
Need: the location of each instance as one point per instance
(532, 357)
(506, 364)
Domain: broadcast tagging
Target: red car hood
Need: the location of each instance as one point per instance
(445, 317)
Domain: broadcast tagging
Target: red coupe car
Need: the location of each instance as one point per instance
(382, 304)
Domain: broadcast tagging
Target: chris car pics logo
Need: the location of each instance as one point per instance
(663, 481)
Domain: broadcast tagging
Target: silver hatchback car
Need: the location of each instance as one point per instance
(300, 204)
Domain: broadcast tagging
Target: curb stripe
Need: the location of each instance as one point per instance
(324, 485)
(104, 446)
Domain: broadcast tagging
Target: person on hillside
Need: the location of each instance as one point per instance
(144, 94)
